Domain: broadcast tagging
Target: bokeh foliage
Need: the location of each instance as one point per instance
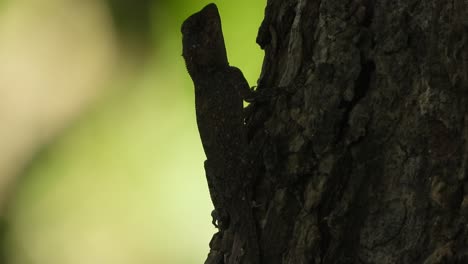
(124, 182)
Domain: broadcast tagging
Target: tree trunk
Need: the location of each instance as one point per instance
(361, 132)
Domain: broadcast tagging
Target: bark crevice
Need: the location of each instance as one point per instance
(369, 132)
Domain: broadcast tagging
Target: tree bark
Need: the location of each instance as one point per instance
(360, 132)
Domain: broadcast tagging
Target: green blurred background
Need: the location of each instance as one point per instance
(102, 162)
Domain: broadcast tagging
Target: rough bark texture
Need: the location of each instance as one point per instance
(361, 132)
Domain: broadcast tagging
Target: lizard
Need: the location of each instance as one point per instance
(219, 93)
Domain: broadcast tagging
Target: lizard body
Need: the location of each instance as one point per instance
(219, 93)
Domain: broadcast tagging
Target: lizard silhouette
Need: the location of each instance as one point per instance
(219, 93)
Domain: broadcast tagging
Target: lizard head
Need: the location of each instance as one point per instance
(202, 39)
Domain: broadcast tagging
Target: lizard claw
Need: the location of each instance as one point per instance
(220, 219)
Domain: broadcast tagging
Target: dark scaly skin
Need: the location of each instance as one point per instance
(219, 93)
